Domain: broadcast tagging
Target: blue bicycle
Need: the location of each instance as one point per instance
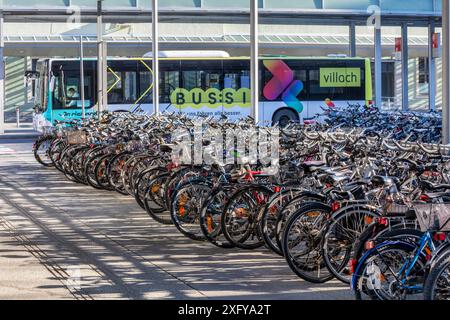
(397, 270)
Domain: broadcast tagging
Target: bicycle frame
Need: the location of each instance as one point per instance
(426, 240)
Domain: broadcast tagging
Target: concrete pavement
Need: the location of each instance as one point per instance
(25, 131)
(83, 243)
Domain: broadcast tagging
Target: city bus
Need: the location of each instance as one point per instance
(205, 84)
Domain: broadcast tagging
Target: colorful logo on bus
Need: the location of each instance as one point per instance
(283, 84)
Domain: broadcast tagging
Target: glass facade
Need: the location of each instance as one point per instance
(409, 6)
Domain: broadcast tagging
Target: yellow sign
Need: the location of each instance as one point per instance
(211, 98)
(340, 77)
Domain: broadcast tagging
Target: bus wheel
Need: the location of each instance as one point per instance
(284, 116)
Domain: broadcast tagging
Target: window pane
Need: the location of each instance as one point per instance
(145, 81)
(236, 74)
(170, 81)
(212, 80)
(115, 94)
(423, 76)
(67, 85)
(202, 74)
(122, 82)
(130, 87)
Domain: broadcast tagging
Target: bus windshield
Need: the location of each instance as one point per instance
(66, 85)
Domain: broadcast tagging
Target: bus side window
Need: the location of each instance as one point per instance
(130, 87)
(192, 79)
(122, 82)
(115, 95)
(202, 74)
(236, 75)
(357, 93)
(169, 79)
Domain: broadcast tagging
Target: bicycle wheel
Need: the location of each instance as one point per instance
(55, 152)
(66, 161)
(211, 215)
(78, 165)
(154, 192)
(240, 217)
(268, 224)
(186, 206)
(290, 208)
(342, 232)
(41, 151)
(302, 239)
(176, 180)
(380, 273)
(115, 169)
(89, 170)
(101, 176)
(437, 285)
(128, 172)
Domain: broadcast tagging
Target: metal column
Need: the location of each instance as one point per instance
(155, 54)
(100, 64)
(378, 66)
(446, 71)
(2, 76)
(254, 63)
(431, 69)
(405, 73)
(352, 39)
(105, 75)
(83, 107)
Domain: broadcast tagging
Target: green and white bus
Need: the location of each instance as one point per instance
(206, 83)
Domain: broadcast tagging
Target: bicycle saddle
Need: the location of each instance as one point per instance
(312, 166)
(428, 186)
(166, 148)
(356, 192)
(445, 196)
(336, 172)
(335, 179)
(383, 181)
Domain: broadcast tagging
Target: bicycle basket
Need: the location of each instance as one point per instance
(76, 137)
(430, 216)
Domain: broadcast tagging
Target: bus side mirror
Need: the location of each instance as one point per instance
(32, 75)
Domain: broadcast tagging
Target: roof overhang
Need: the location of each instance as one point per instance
(239, 16)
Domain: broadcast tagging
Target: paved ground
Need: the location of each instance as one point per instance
(25, 131)
(60, 240)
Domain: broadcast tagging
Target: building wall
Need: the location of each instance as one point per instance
(17, 92)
